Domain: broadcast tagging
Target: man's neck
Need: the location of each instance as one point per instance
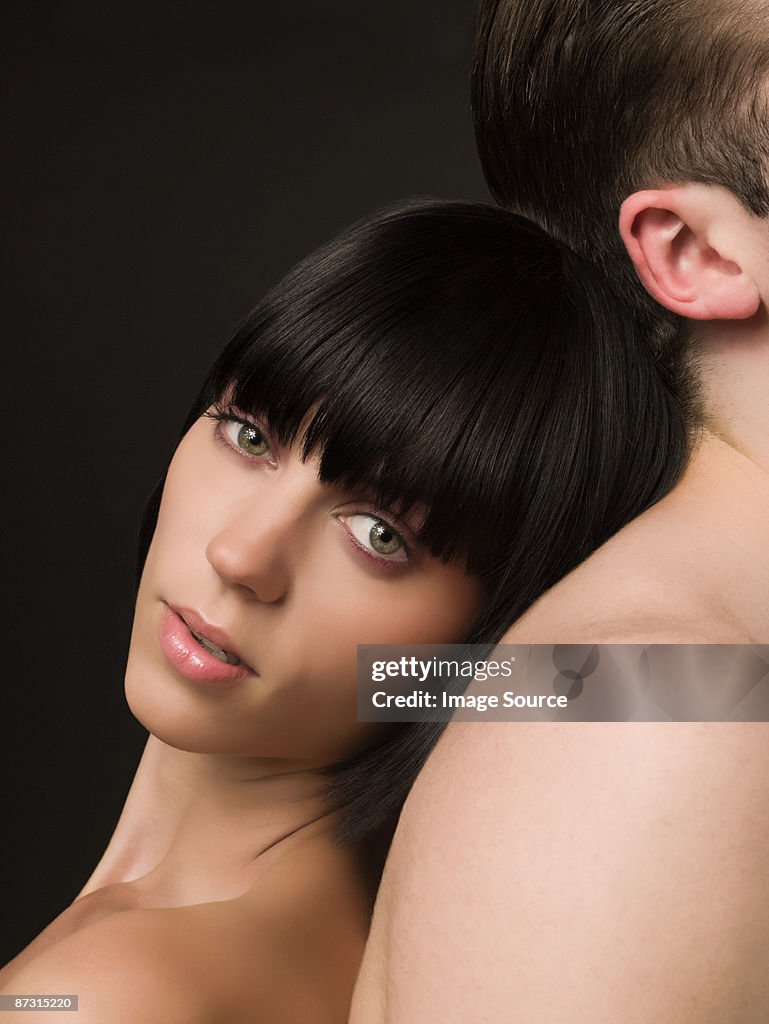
(731, 363)
(694, 568)
(718, 520)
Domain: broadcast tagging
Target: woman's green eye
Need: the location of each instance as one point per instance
(383, 539)
(243, 437)
(377, 537)
(251, 440)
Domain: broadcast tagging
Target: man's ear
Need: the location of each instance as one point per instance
(682, 241)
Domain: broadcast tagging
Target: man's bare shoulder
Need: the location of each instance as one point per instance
(647, 584)
(588, 872)
(504, 774)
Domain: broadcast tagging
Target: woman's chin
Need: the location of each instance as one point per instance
(163, 706)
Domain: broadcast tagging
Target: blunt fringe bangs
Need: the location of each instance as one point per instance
(436, 356)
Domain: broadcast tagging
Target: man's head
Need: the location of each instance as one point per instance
(580, 104)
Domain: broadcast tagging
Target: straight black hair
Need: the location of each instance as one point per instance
(453, 356)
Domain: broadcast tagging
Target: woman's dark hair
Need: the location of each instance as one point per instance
(454, 356)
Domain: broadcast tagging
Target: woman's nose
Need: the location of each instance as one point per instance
(253, 550)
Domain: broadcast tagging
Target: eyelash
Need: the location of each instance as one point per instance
(222, 415)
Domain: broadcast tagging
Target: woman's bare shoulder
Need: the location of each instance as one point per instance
(276, 954)
(173, 964)
(215, 961)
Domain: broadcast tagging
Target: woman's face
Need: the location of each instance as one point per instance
(287, 575)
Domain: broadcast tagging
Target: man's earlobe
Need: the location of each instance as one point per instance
(669, 237)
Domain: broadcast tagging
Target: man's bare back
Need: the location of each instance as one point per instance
(599, 872)
(590, 872)
(580, 872)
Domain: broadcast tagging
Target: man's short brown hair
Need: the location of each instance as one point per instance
(579, 103)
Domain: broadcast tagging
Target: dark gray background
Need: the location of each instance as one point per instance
(162, 165)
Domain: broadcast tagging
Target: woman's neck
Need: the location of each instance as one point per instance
(194, 825)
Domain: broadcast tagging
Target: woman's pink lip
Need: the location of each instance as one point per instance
(184, 653)
(195, 621)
